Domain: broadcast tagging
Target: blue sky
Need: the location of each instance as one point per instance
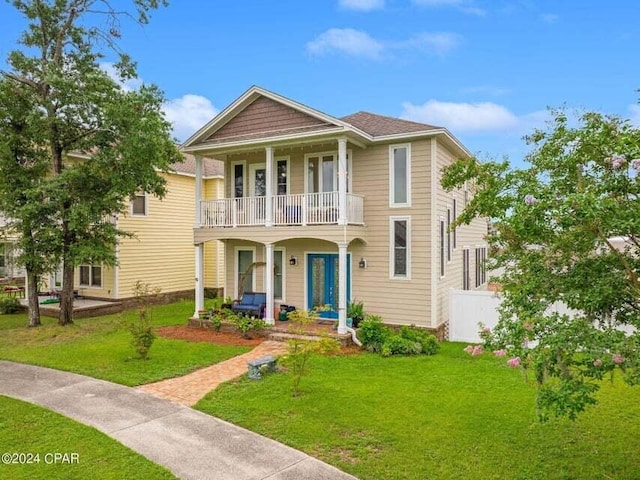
(486, 70)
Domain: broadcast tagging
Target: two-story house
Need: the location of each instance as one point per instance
(321, 210)
(161, 251)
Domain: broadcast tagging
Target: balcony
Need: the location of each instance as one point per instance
(291, 210)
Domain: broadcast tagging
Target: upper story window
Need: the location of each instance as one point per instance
(282, 177)
(400, 243)
(238, 179)
(90, 276)
(322, 172)
(400, 175)
(139, 204)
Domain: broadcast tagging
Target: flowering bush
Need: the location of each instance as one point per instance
(565, 230)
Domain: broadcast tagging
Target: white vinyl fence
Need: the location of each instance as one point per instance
(468, 308)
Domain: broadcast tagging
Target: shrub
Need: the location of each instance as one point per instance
(246, 325)
(397, 345)
(9, 305)
(427, 341)
(355, 311)
(216, 321)
(372, 333)
(142, 330)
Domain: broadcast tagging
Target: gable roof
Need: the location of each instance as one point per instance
(210, 167)
(380, 125)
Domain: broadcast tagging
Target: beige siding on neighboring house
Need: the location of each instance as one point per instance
(162, 253)
(471, 236)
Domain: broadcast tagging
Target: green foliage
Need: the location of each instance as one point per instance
(397, 345)
(300, 350)
(428, 342)
(373, 333)
(9, 305)
(216, 321)
(142, 329)
(355, 311)
(74, 144)
(246, 326)
(565, 231)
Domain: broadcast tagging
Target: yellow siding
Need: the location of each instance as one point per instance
(107, 290)
(162, 253)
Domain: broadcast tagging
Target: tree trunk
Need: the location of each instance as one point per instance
(32, 296)
(66, 296)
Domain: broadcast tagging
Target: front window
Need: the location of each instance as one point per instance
(90, 276)
(139, 204)
(400, 176)
(466, 280)
(244, 271)
(281, 177)
(278, 275)
(238, 180)
(401, 247)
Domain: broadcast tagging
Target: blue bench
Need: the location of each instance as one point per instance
(251, 303)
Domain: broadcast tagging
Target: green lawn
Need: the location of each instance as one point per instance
(449, 416)
(100, 347)
(29, 429)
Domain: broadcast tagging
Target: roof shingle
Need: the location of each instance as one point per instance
(210, 167)
(380, 125)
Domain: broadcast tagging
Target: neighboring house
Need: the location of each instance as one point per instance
(337, 209)
(8, 268)
(161, 252)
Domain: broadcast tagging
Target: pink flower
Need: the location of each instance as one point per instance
(616, 160)
(514, 362)
(617, 358)
(597, 362)
(468, 349)
(635, 164)
(477, 350)
(500, 353)
(530, 199)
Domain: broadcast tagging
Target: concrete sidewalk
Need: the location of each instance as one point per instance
(191, 444)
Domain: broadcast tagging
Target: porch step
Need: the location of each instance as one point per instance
(344, 340)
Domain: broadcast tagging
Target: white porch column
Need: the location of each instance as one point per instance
(268, 315)
(199, 279)
(198, 191)
(342, 286)
(269, 190)
(342, 181)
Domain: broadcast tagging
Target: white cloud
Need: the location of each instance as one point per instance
(549, 17)
(346, 40)
(356, 43)
(634, 114)
(188, 113)
(127, 85)
(473, 117)
(465, 6)
(363, 5)
(437, 43)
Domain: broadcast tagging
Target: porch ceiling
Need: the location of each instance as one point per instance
(331, 233)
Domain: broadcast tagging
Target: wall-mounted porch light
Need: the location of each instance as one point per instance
(362, 263)
(293, 261)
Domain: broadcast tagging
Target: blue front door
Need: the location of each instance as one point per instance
(323, 282)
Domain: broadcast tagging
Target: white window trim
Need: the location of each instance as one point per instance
(285, 262)
(392, 245)
(252, 177)
(307, 156)
(454, 217)
(449, 236)
(442, 227)
(392, 203)
(146, 205)
(90, 285)
(275, 177)
(236, 276)
(232, 178)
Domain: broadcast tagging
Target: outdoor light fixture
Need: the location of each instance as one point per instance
(362, 263)
(293, 261)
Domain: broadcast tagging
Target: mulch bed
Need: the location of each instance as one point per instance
(202, 334)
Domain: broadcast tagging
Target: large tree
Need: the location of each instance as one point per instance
(566, 230)
(103, 143)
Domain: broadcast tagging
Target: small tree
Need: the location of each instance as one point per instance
(565, 229)
(300, 349)
(142, 329)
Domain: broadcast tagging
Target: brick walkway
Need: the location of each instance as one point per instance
(192, 387)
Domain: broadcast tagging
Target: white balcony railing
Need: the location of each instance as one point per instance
(298, 209)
